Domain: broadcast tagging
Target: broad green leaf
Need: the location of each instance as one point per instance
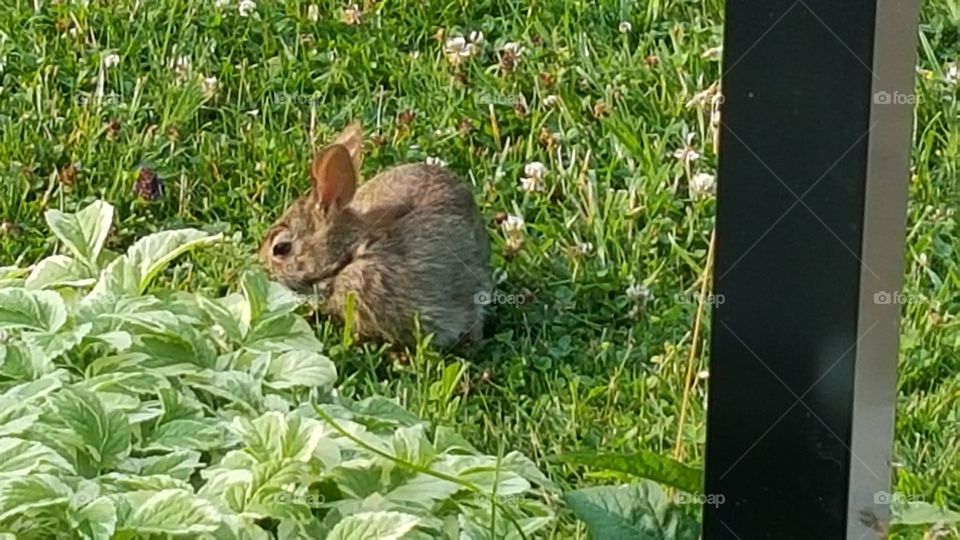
(643, 464)
(96, 520)
(185, 434)
(59, 271)
(301, 368)
(119, 341)
(133, 272)
(178, 406)
(114, 401)
(169, 511)
(155, 321)
(19, 457)
(50, 345)
(18, 413)
(23, 494)
(475, 522)
(223, 317)
(105, 435)
(485, 473)
(84, 232)
(448, 440)
(241, 528)
(256, 289)
(24, 363)
(359, 477)
(269, 493)
(178, 464)
(281, 299)
(424, 488)
(281, 333)
(273, 436)
(410, 444)
(185, 352)
(16, 418)
(43, 311)
(634, 511)
(376, 411)
(34, 390)
(235, 469)
(912, 513)
(236, 386)
(117, 482)
(128, 382)
(374, 526)
(525, 467)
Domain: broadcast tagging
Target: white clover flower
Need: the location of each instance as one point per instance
(638, 292)
(110, 60)
(476, 37)
(712, 54)
(431, 160)
(625, 27)
(246, 7)
(457, 49)
(535, 169)
(513, 225)
(584, 248)
(512, 47)
(181, 65)
(535, 172)
(531, 185)
(313, 13)
(551, 100)
(352, 15)
(703, 185)
(952, 75)
(687, 153)
(703, 375)
(209, 86)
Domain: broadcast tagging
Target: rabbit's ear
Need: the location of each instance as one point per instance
(351, 138)
(334, 177)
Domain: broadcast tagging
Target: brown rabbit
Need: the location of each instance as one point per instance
(409, 243)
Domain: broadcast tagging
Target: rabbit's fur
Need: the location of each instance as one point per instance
(410, 244)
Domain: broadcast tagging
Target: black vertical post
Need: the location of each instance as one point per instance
(811, 222)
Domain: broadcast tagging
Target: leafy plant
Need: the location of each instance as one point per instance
(642, 464)
(632, 512)
(130, 414)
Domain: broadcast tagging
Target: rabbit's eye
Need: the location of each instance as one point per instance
(282, 249)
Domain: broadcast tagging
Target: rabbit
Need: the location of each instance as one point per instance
(410, 244)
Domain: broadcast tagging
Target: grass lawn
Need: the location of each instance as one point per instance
(595, 349)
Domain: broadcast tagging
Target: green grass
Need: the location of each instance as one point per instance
(578, 365)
